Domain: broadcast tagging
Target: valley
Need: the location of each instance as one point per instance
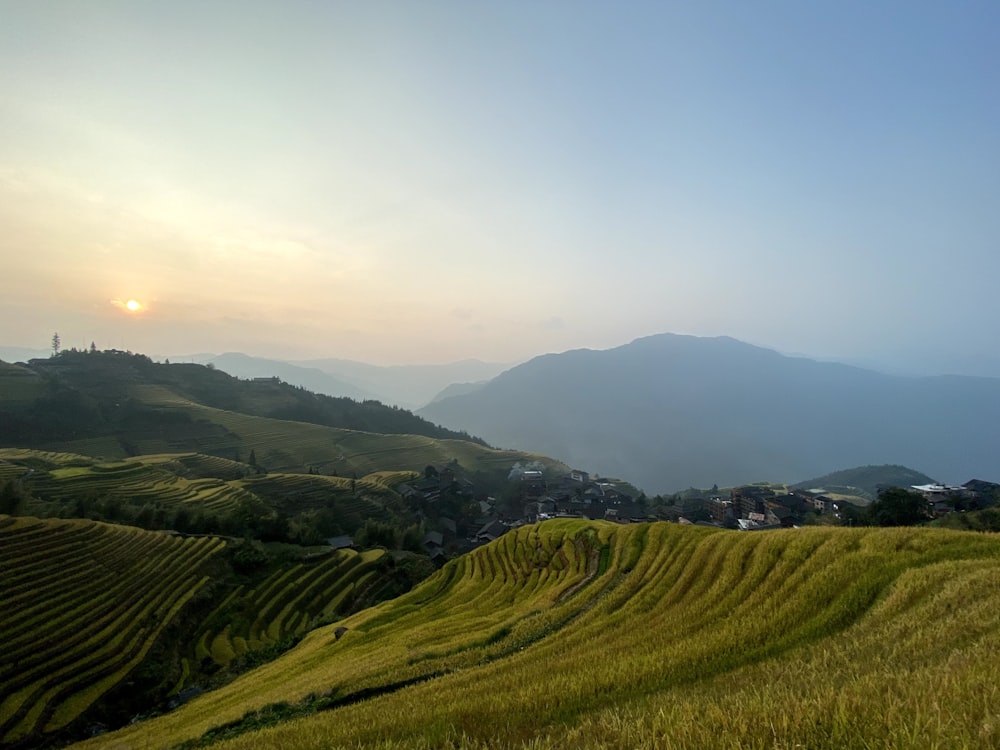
(185, 565)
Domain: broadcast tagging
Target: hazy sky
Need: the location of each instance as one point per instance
(427, 181)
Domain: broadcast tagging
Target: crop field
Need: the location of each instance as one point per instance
(290, 602)
(199, 482)
(586, 634)
(291, 447)
(293, 493)
(137, 480)
(83, 603)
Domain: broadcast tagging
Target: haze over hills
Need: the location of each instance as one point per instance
(409, 386)
(406, 386)
(311, 378)
(673, 411)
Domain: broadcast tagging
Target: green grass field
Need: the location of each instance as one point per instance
(585, 635)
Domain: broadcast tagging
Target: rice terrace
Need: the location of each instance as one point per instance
(583, 634)
(178, 573)
(436, 375)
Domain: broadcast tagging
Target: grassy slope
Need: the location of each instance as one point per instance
(286, 446)
(217, 485)
(577, 634)
(164, 420)
(83, 604)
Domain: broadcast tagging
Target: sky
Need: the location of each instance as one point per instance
(420, 182)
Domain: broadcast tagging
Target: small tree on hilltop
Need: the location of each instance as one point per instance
(56, 343)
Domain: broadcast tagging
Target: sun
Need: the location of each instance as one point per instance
(133, 305)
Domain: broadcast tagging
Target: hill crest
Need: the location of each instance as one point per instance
(673, 411)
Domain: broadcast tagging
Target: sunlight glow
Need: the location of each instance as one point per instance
(133, 305)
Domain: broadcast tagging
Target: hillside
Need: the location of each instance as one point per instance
(311, 378)
(191, 492)
(115, 405)
(83, 390)
(574, 634)
(670, 412)
(867, 479)
(102, 622)
(83, 605)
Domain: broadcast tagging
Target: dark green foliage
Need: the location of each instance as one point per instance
(88, 396)
(378, 534)
(898, 507)
(12, 498)
(249, 557)
(987, 519)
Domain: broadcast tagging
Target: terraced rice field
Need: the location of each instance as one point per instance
(209, 483)
(294, 493)
(136, 480)
(585, 635)
(83, 603)
(289, 602)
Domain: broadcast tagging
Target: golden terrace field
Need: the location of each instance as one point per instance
(581, 634)
(83, 603)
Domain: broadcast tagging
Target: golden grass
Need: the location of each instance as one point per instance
(820, 637)
(83, 604)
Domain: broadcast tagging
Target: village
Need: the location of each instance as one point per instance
(459, 519)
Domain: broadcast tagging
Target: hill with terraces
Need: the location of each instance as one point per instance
(578, 634)
(102, 622)
(115, 405)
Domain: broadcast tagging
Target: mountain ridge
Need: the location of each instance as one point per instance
(721, 411)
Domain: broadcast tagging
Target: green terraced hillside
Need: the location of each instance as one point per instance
(200, 484)
(583, 635)
(83, 603)
(289, 602)
(100, 622)
(113, 405)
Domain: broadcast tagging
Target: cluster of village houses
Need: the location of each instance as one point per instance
(577, 494)
(760, 507)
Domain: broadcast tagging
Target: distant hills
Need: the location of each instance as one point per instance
(310, 378)
(867, 479)
(115, 404)
(674, 411)
(409, 386)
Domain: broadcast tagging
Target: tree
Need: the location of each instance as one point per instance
(898, 507)
(93, 348)
(56, 343)
(12, 498)
(253, 458)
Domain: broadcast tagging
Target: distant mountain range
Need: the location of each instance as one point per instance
(674, 411)
(406, 386)
(409, 386)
